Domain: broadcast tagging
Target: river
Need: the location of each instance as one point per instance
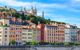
(39, 48)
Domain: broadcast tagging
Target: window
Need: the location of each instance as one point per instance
(29, 37)
(5, 31)
(10, 35)
(16, 28)
(24, 33)
(24, 37)
(5, 35)
(0, 35)
(20, 32)
(20, 29)
(5, 24)
(29, 30)
(0, 39)
(12, 28)
(0, 32)
(29, 34)
(16, 35)
(50, 34)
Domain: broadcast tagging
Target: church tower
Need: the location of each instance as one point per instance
(33, 10)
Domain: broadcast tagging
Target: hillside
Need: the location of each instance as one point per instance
(32, 18)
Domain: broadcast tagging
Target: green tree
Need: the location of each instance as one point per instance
(66, 44)
(13, 42)
(34, 43)
(28, 43)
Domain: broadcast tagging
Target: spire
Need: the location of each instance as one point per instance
(31, 7)
(43, 14)
(24, 9)
(35, 10)
(32, 4)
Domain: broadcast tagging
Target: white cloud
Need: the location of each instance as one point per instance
(14, 3)
(19, 3)
(75, 4)
(39, 5)
(75, 1)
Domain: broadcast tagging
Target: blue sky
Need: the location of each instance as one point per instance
(59, 10)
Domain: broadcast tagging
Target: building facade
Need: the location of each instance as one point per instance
(54, 33)
(15, 30)
(4, 32)
(78, 35)
(70, 33)
(29, 33)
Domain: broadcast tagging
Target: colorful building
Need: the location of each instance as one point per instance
(15, 30)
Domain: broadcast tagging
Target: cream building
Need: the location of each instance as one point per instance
(4, 32)
(27, 35)
(28, 32)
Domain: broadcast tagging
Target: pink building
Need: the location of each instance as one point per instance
(54, 33)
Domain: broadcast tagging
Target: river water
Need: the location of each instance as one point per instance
(57, 48)
(39, 48)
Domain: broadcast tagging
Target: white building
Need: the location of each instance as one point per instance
(70, 33)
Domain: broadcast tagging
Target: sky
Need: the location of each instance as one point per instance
(58, 10)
